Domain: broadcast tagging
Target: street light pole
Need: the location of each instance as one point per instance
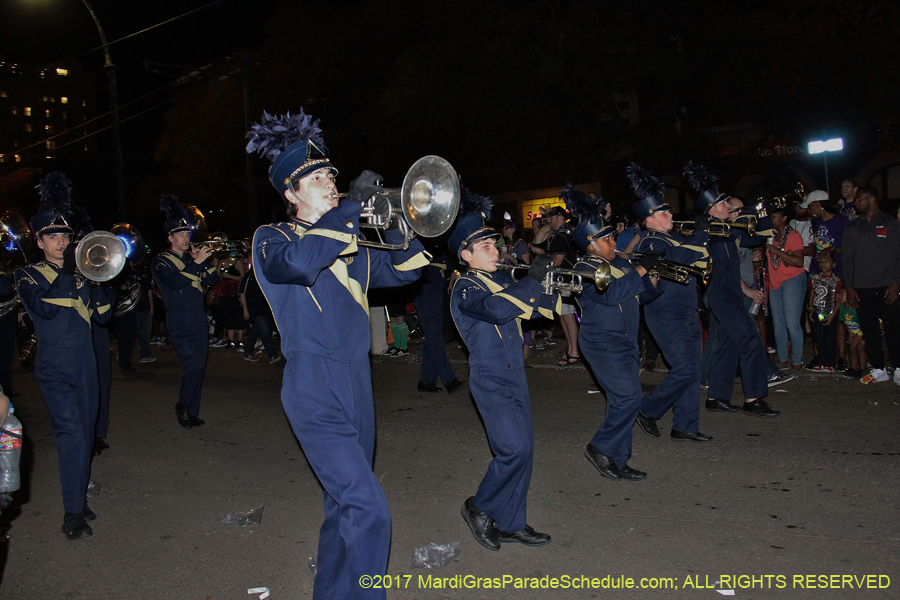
(114, 113)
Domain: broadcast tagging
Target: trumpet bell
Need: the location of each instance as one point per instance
(100, 256)
(430, 196)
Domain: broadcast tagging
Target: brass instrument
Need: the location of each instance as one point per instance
(100, 256)
(26, 353)
(426, 204)
(218, 243)
(764, 205)
(197, 223)
(566, 282)
(135, 248)
(15, 251)
(677, 272)
(721, 228)
(130, 299)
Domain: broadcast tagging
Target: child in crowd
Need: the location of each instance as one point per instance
(823, 310)
(857, 357)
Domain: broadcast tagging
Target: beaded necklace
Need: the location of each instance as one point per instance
(776, 260)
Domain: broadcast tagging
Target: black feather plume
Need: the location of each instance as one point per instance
(171, 205)
(470, 202)
(700, 178)
(80, 221)
(273, 134)
(56, 194)
(644, 184)
(583, 206)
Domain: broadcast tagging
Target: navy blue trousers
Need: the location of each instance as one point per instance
(126, 335)
(738, 344)
(100, 334)
(430, 308)
(616, 364)
(678, 335)
(191, 341)
(331, 410)
(505, 406)
(68, 381)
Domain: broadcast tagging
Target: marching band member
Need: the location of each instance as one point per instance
(608, 334)
(180, 272)
(671, 317)
(63, 308)
(316, 277)
(739, 341)
(487, 307)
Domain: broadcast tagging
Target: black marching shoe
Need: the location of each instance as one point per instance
(648, 425)
(603, 463)
(481, 524)
(87, 513)
(629, 474)
(694, 436)
(184, 418)
(431, 388)
(99, 446)
(527, 536)
(197, 421)
(721, 406)
(456, 385)
(75, 527)
(759, 408)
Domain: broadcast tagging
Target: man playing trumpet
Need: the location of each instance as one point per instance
(672, 316)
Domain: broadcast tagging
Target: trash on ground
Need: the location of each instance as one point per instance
(312, 564)
(262, 591)
(248, 517)
(593, 391)
(726, 592)
(435, 556)
(782, 391)
(93, 488)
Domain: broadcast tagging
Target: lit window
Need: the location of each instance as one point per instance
(2, 158)
(15, 110)
(83, 104)
(46, 99)
(47, 113)
(48, 128)
(2, 93)
(50, 145)
(27, 111)
(18, 158)
(27, 127)
(63, 100)
(62, 72)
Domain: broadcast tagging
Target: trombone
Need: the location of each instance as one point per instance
(677, 272)
(566, 282)
(721, 228)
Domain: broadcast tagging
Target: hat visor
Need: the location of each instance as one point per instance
(56, 229)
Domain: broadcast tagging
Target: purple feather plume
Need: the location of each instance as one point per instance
(273, 134)
(700, 178)
(171, 205)
(470, 202)
(644, 184)
(56, 194)
(581, 205)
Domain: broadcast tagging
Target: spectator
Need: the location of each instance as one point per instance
(232, 270)
(873, 275)
(256, 311)
(846, 205)
(787, 288)
(847, 315)
(802, 224)
(828, 231)
(823, 310)
(563, 254)
(516, 250)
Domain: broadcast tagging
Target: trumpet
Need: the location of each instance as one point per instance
(677, 272)
(218, 243)
(780, 202)
(566, 282)
(720, 228)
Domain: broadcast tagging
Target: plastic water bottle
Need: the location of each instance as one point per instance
(10, 451)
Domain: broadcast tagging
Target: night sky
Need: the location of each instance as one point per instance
(516, 94)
